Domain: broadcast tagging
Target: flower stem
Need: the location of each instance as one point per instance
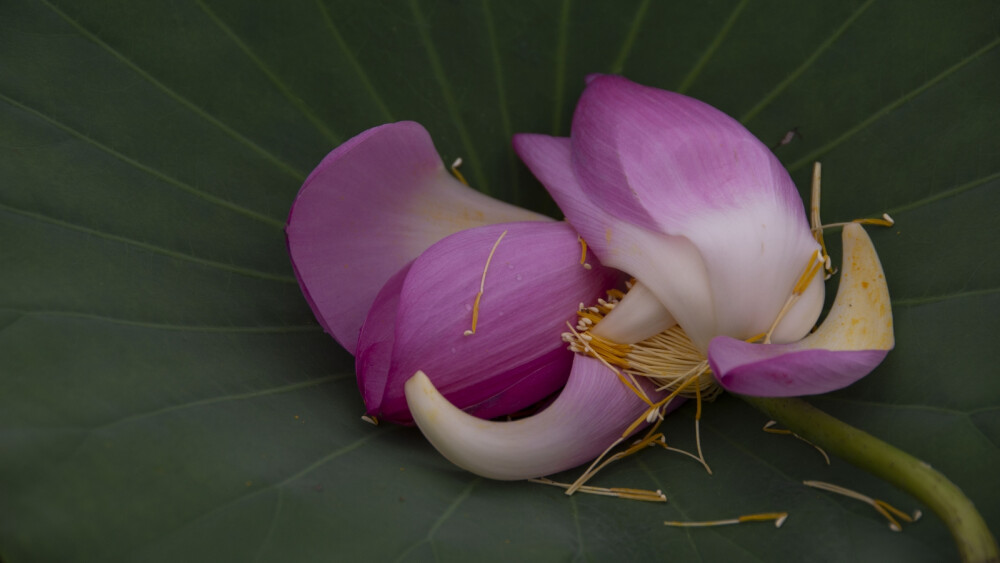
(972, 537)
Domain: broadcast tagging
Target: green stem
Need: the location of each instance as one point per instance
(972, 537)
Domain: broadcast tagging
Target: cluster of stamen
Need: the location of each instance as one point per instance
(673, 363)
(669, 359)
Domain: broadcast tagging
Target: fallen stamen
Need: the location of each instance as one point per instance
(778, 518)
(697, 431)
(883, 508)
(620, 492)
(770, 430)
(482, 285)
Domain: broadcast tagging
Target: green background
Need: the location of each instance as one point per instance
(165, 394)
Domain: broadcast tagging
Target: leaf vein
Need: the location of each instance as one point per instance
(251, 494)
(677, 506)
(917, 301)
(501, 98)
(145, 168)
(449, 98)
(633, 32)
(224, 329)
(794, 75)
(885, 110)
(249, 272)
(720, 37)
(266, 540)
(429, 538)
(560, 71)
(951, 192)
(194, 108)
(223, 399)
(353, 61)
(271, 75)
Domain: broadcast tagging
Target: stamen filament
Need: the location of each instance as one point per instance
(883, 508)
(482, 283)
(697, 431)
(815, 223)
(778, 518)
(768, 428)
(583, 252)
(587, 347)
(813, 267)
(884, 221)
(454, 170)
(620, 492)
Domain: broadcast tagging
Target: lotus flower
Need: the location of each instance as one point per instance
(391, 253)
(684, 199)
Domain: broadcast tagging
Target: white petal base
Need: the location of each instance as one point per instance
(588, 416)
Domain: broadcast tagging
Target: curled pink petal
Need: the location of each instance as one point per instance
(780, 370)
(369, 208)
(853, 339)
(681, 196)
(590, 414)
(532, 287)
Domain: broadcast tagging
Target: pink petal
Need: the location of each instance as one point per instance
(533, 286)
(853, 339)
(685, 199)
(590, 414)
(378, 334)
(669, 266)
(661, 160)
(370, 207)
(781, 370)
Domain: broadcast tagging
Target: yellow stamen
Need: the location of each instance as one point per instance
(669, 358)
(816, 262)
(620, 492)
(884, 221)
(583, 253)
(630, 382)
(769, 429)
(777, 517)
(697, 431)
(454, 170)
(815, 222)
(817, 225)
(482, 286)
(663, 443)
(883, 508)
